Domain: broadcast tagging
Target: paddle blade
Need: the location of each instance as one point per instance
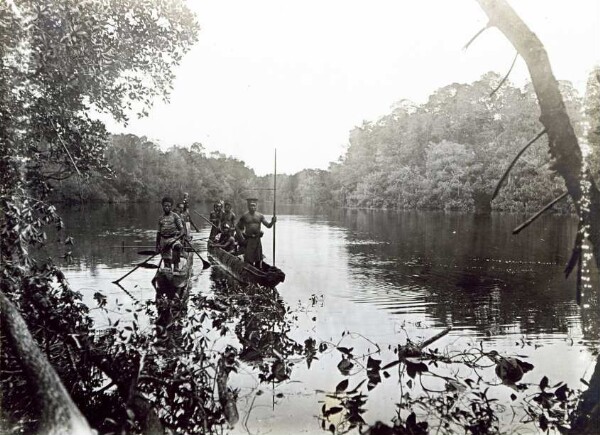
(148, 266)
(147, 252)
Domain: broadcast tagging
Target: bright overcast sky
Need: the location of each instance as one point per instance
(299, 75)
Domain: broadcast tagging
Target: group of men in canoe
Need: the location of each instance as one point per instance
(174, 229)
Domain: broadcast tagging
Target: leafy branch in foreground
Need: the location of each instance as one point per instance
(58, 61)
(473, 391)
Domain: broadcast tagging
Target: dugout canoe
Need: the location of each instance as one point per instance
(171, 283)
(268, 276)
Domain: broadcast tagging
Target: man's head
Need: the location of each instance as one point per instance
(181, 207)
(218, 206)
(227, 229)
(227, 206)
(252, 203)
(167, 204)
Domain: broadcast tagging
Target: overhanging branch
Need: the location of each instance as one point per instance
(562, 141)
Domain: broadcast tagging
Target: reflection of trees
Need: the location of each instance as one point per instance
(262, 326)
(171, 317)
(466, 268)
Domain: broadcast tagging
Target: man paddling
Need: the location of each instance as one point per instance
(249, 227)
(170, 231)
(215, 220)
(185, 220)
(228, 216)
(226, 240)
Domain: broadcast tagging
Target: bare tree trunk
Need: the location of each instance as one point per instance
(564, 147)
(58, 413)
(568, 160)
(144, 410)
(586, 419)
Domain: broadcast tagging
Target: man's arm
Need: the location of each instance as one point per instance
(241, 226)
(267, 224)
(179, 224)
(227, 245)
(158, 237)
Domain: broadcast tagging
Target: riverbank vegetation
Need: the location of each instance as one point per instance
(60, 373)
(445, 154)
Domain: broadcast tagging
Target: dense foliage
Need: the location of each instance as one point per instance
(58, 62)
(447, 153)
(450, 152)
(141, 172)
(592, 112)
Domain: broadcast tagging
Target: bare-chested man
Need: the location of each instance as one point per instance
(249, 227)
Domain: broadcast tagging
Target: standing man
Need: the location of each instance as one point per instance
(186, 203)
(215, 220)
(170, 231)
(249, 227)
(228, 216)
(185, 220)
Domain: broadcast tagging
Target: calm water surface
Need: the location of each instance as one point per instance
(366, 277)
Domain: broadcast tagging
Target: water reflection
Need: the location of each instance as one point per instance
(463, 269)
(261, 326)
(374, 271)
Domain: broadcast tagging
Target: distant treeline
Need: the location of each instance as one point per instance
(447, 153)
(141, 172)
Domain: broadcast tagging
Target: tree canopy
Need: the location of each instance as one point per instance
(60, 61)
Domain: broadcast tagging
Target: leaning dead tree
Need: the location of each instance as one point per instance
(563, 143)
(567, 162)
(57, 412)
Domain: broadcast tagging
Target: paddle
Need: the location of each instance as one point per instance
(205, 264)
(193, 224)
(207, 220)
(144, 263)
(148, 252)
(148, 266)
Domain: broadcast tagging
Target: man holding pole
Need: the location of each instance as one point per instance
(249, 227)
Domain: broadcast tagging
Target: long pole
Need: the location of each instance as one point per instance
(274, 202)
(206, 219)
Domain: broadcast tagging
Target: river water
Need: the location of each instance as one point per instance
(366, 280)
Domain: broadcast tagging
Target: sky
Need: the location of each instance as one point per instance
(299, 75)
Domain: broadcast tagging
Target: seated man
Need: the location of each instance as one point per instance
(226, 240)
(170, 232)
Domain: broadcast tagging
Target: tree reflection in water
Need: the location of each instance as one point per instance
(474, 390)
(262, 325)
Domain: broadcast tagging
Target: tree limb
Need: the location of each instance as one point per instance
(58, 412)
(563, 144)
(483, 29)
(499, 185)
(539, 213)
(512, 65)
